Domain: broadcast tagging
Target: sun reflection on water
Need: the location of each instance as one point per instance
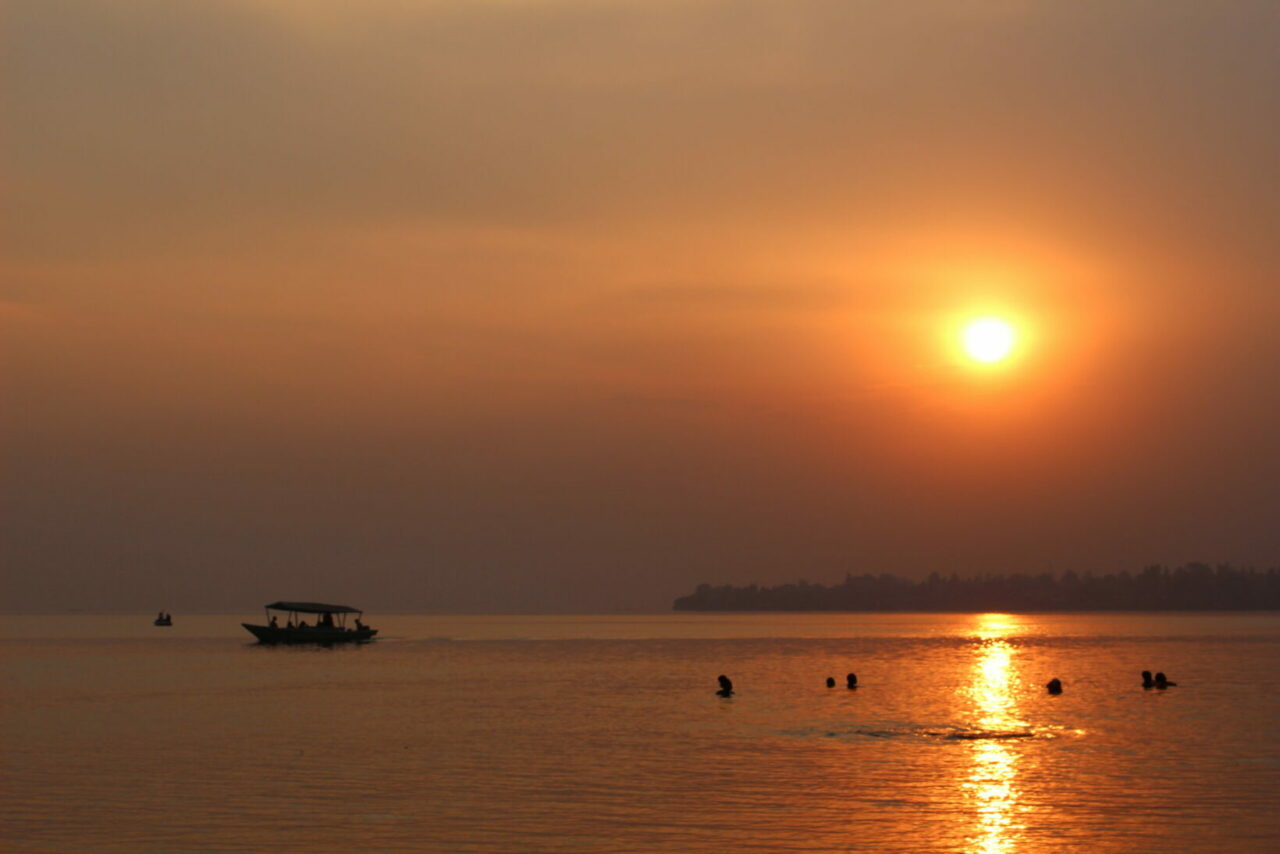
(991, 784)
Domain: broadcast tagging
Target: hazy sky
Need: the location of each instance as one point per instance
(574, 304)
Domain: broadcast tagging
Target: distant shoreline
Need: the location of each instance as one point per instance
(1189, 588)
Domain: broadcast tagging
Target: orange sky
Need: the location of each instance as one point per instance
(573, 305)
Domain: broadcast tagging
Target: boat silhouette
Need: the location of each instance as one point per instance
(330, 625)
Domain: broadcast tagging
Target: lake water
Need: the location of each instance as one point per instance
(604, 734)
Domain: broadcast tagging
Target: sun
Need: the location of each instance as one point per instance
(988, 339)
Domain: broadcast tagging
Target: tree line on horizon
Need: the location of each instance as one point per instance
(1192, 587)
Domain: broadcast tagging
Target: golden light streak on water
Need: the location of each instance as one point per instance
(992, 782)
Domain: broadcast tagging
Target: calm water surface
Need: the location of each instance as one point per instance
(603, 734)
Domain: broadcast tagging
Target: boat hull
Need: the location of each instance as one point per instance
(310, 635)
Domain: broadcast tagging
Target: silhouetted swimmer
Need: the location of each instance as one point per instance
(1147, 681)
(726, 686)
(1054, 686)
(831, 681)
(1162, 682)
(851, 681)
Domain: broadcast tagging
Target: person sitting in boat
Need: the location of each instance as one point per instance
(275, 624)
(359, 625)
(302, 624)
(326, 621)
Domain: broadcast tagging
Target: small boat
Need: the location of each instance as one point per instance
(330, 625)
(163, 619)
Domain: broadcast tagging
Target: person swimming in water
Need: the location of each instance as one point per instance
(831, 681)
(851, 681)
(1147, 681)
(1054, 686)
(1163, 682)
(726, 686)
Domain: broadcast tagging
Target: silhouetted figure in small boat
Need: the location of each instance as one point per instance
(275, 624)
(831, 681)
(1147, 681)
(1054, 686)
(1162, 682)
(851, 681)
(726, 686)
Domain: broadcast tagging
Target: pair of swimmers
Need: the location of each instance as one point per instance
(851, 681)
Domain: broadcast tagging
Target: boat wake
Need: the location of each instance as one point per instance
(948, 733)
(937, 733)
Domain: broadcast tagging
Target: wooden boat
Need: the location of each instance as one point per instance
(329, 627)
(164, 619)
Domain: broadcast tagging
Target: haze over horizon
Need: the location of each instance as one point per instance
(565, 305)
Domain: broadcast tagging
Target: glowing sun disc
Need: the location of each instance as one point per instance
(988, 340)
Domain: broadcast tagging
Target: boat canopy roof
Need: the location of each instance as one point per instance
(312, 608)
